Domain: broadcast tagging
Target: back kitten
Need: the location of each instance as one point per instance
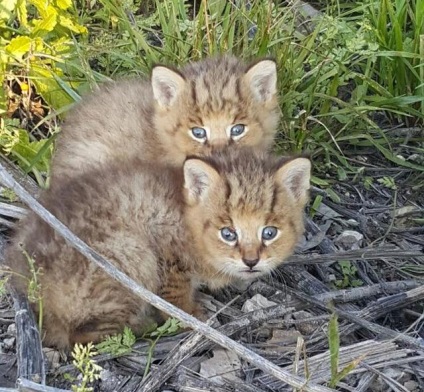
(234, 215)
(207, 104)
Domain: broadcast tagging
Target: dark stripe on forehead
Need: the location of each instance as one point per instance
(238, 89)
(193, 92)
(274, 199)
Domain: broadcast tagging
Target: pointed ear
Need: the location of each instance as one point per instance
(167, 85)
(199, 179)
(262, 80)
(295, 176)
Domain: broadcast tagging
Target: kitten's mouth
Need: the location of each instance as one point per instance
(250, 271)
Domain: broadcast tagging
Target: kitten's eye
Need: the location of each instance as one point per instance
(269, 233)
(228, 234)
(198, 133)
(237, 130)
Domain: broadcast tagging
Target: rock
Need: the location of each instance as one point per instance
(306, 328)
(53, 357)
(349, 240)
(283, 338)
(11, 329)
(393, 373)
(258, 301)
(224, 365)
(9, 343)
(412, 386)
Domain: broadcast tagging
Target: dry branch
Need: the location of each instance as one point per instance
(360, 254)
(153, 299)
(195, 343)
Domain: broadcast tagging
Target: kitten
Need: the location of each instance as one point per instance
(207, 104)
(236, 214)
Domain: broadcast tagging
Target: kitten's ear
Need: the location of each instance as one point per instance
(262, 80)
(167, 85)
(295, 176)
(199, 179)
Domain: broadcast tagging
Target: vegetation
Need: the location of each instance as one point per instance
(345, 77)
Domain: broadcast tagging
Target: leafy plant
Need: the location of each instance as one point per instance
(169, 328)
(89, 370)
(119, 344)
(349, 279)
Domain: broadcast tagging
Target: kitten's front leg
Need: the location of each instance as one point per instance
(179, 291)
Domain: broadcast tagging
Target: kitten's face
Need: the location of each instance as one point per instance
(247, 218)
(214, 103)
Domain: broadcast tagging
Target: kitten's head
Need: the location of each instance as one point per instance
(215, 102)
(245, 210)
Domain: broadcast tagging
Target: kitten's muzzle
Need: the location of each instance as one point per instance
(250, 262)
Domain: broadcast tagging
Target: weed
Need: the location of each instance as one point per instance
(34, 287)
(334, 347)
(89, 370)
(119, 344)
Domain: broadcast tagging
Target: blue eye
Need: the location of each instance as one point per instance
(269, 233)
(198, 133)
(228, 234)
(237, 130)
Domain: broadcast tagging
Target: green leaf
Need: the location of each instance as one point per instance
(21, 10)
(334, 344)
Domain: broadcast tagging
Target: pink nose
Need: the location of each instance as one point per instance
(250, 263)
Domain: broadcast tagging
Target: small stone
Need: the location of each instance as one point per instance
(411, 386)
(53, 357)
(110, 381)
(393, 373)
(257, 302)
(349, 240)
(223, 365)
(352, 223)
(306, 328)
(8, 343)
(11, 329)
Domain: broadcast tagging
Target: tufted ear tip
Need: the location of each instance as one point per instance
(262, 80)
(167, 85)
(199, 179)
(295, 176)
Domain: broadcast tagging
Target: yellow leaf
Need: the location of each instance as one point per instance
(68, 23)
(22, 13)
(64, 4)
(6, 8)
(19, 46)
(41, 6)
(49, 88)
(46, 24)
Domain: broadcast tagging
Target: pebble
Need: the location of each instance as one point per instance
(257, 302)
(349, 240)
(8, 343)
(412, 386)
(11, 329)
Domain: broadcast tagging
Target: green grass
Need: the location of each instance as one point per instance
(357, 61)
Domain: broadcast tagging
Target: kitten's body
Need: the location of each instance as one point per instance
(152, 119)
(165, 230)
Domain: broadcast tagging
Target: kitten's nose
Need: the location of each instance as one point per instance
(250, 262)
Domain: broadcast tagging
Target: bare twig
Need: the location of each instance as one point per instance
(153, 299)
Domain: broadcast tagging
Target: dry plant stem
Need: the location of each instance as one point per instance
(375, 328)
(153, 299)
(360, 254)
(196, 343)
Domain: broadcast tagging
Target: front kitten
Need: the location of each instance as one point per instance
(207, 104)
(234, 215)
